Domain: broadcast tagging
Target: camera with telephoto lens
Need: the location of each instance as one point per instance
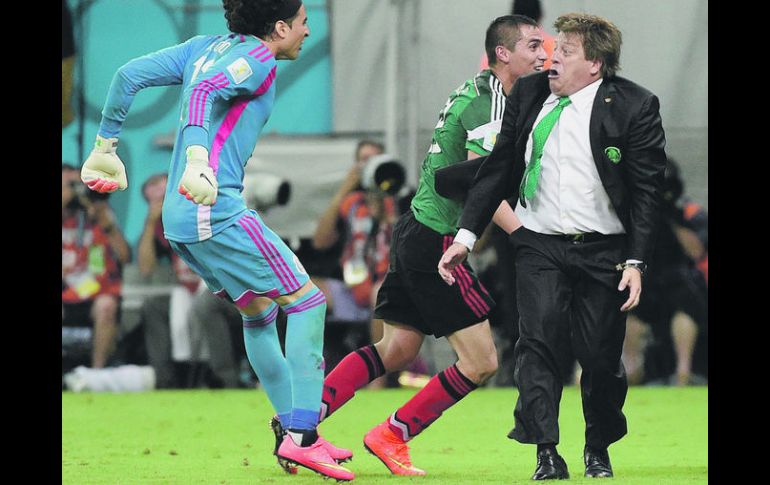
(262, 190)
(383, 172)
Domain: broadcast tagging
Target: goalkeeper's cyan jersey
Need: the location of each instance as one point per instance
(227, 97)
(470, 120)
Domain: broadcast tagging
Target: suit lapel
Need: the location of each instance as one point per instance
(530, 111)
(603, 105)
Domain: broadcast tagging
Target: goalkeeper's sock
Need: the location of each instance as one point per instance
(304, 354)
(263, 350)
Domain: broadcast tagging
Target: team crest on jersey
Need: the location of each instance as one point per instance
(240, 70)
(299, 266)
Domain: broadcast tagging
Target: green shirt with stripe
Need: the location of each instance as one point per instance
(469, 121)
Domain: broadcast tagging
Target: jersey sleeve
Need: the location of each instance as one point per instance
(480, 130)
(245, 71)
(161, 68)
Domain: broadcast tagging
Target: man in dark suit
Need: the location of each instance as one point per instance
(581, 158)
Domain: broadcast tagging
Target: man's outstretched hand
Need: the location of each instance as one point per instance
(453, 257)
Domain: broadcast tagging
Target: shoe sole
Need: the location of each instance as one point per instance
(325, 476)
(281, 462)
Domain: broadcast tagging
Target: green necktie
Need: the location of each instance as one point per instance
(539, 136)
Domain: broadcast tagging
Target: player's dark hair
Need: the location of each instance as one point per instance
(504, 31)
(256, 17)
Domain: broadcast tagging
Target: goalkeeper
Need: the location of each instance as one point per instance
(227, 96)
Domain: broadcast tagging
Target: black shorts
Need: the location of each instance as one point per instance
(414, 294)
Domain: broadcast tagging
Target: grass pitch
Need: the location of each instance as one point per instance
(223, 437)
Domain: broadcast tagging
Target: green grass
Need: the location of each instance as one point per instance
(222, 437)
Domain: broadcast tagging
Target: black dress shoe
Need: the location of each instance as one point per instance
(597, 463)
(550, 466)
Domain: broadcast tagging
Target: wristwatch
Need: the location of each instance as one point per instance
(639, 266)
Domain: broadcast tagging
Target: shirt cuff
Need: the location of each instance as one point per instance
(195, 135)
(109, 128)
(634, 261)
(466, 238)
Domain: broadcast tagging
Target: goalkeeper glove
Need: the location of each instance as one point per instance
(103, 171)
(198, 184)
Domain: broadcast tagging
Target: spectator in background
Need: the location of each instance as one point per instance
(155, 311)
(93, 252)
(211, 320)
(675, 306)
(363, 221)
(533, 10)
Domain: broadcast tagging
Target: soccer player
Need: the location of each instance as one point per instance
(414, 301)
(228, 94)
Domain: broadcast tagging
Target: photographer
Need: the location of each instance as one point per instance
(361, 221)
(93, 253)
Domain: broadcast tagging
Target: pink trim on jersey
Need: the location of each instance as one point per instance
(258, 51)
(265, 56)
(261, 53)
(232, 117)
(199, 95)
(262, 89)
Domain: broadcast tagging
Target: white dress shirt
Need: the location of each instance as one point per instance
(570, 197)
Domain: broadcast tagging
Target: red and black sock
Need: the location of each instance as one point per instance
(356, 370)
(442, 392)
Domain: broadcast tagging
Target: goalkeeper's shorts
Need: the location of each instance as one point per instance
(244, 261)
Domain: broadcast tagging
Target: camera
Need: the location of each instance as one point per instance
(263, 190)
(82, 191)
(383, 172)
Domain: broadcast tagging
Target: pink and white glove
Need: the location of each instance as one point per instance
(198, 183)
(103, 171)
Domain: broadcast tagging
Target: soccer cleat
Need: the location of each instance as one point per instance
(275, 425)
(340, 455)
(392, 451)
(314, 457)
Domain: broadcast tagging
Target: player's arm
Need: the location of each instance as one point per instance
(241, 72)
(103, 170)
(481, 138)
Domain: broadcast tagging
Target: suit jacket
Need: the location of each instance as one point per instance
(625, 115)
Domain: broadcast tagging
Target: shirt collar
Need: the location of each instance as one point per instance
(582, 99)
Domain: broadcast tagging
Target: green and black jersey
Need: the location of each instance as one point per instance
(470, 120)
